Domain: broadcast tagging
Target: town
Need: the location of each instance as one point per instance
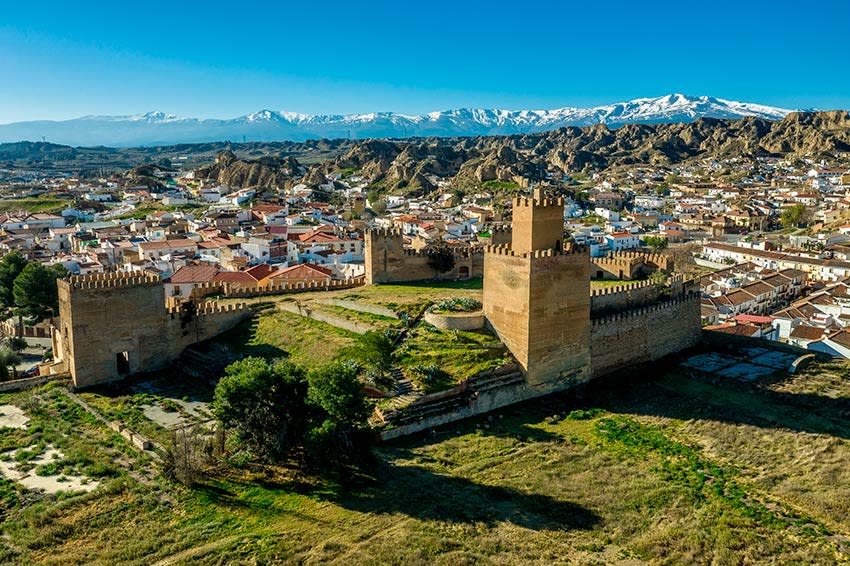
(370, 283)
(768, 238)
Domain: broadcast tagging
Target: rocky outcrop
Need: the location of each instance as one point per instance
(265, 172)
(412, 163)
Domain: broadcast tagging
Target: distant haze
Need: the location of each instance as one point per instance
(158, 128)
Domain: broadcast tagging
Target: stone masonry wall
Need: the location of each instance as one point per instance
(115, 325)
(609, 299)
(629, 265)
(387, 261)
(644, 334)
(456, 321)
(539, 305)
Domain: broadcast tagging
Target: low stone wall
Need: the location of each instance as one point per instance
(720, 340)
(360, 307)
(456, 321)
(350, 325)
(10, 327)
(475, 396)
(28, 382)
(140, 442)
(712, 264)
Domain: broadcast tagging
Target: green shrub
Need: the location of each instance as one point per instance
(457, 304)
(584, 414)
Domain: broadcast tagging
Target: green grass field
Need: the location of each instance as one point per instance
(35, 204)
(660, 466)
(279, 334)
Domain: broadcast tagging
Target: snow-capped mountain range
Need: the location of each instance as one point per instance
(159, 128)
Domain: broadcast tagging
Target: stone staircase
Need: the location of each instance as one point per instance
(202, 365)
(426, 406)
(406, 392)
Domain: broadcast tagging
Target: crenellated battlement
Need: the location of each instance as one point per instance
(118, 280)
(631, 265)
(673, 280)
(117, 324)
(689, 296)
(384, 232)
(532, 202)
(206, 308)
(616, 261)
(236, 290)
(618, 289)
(458, 251)
(506, 250)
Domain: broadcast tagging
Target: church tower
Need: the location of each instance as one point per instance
(537, 295)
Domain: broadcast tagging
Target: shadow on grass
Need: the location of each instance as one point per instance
(474, 283)
(425, 495)
(420, 494)
(663, 389)
(239, 339)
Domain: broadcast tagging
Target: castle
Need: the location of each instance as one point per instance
(538, 301)
(387, 261)
(112, 325)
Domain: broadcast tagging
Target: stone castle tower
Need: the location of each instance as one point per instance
(112, 325)
(537, 296)
(384, 251)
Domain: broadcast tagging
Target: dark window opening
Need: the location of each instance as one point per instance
(122, 359)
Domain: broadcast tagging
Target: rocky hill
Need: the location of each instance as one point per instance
(266, 171)
(408, 163)
(411, 164)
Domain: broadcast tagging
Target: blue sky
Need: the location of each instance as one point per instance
(65, 59)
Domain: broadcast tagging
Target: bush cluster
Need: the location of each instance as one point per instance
(457, 304)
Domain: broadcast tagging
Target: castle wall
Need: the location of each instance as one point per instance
(644, 334)
(498, 235)
(629, 265)
(614, 268)
(114, 325)
(387, 261)
(559, 334)
(609, 299)
(103, 320)
(506, 298)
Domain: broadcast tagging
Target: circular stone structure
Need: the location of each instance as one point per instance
(456, 320)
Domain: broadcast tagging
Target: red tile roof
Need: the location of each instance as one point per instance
(302, 271)
(233, 277)
(259, 272)
(806, 332)
(195, 274)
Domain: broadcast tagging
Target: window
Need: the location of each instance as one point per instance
(122, 361)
